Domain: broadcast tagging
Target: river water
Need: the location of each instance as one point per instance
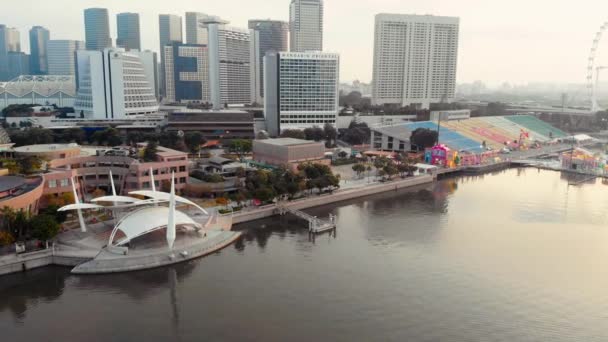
(518, 255)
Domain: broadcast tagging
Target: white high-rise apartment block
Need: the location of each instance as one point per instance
(114, 84)
(302, 90)
(306, 25)
(229, 64)
(415, 59)
(61, 56)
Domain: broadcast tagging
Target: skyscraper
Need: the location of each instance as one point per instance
(127, 28)
(170, 31)
(97, 28)
(187, 73)
(9, 42)
(39, 38)
(114, 84)
(229, 64)
(61, 56)
(196, 28)
(266, 36)
(306, 25)
(18, 64)
(415, 59)
(301, 90)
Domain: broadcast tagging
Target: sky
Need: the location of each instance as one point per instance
(516, 41)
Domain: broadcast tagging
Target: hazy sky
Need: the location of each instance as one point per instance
(517, 41)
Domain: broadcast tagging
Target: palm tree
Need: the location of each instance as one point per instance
(8, 217)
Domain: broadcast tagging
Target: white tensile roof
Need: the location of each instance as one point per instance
(146, 220)
(124, 199)
(77, 206)
(164, 196)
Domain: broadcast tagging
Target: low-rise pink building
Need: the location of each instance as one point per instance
(288, 152)
(21, 193)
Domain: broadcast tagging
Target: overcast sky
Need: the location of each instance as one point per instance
(518, 41)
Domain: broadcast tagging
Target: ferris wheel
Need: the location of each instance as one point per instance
(593, 70)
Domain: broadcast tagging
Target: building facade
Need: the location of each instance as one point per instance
(170, 31)
(301, 90)
(222, 125)
(306, 25)
(18, 64)
(97, 29)
(196, 27)
(115, 84)
(266, 36)
(61, 56)
(415, 58)
(127, 28)
(288, 152)
(39, 39)
(9, 42)
(187, 73)
(229, 68)
(45, 89)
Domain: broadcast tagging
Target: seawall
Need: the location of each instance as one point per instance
(340, 195)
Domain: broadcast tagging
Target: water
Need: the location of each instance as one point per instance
(514, 256)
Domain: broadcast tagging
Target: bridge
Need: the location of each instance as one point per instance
(315, 224)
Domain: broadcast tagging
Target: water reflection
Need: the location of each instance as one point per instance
(25, 290)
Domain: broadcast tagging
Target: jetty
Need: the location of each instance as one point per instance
(315, 224)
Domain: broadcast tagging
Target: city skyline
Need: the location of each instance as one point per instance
(511, 42)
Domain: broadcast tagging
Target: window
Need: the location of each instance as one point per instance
(64, 182)
(52, 183)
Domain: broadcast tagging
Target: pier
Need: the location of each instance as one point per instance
(315, 224)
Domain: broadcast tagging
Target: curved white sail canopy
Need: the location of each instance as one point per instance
(79, 206)
(165, 196)
(114, 198)
(147, 220)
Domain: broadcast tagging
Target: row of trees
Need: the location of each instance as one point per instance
(266, 185)
(316, 133)
(19, 225)
(387, 168)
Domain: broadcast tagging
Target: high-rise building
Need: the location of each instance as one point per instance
(62, 56)
(415, 59)
(229, 64)
(170, 31)
(39, 38)
(266, 36)
(97, 28)
(187, 73)
(9, 42)
(18, 64)
(306, 25)
(127, 28)
(14, 39)
(196, 27)
(301, 90)
(115, 84)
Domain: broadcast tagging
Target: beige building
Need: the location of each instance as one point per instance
(288, 152)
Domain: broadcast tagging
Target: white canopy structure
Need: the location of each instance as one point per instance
(80, 206)
(121, 199)
(165, 196)
(146, 220)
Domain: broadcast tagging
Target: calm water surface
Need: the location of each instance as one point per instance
(513, 256)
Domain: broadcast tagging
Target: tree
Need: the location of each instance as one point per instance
(107, 137)
(193, 141)
(293, 133)
(29, 164)
(330, 134)
(44, 227)
(150, 151)
(314, 133)
(357, 133)
(423, 138)
(98, 193)
(240, 147)
(359, 168)
(390, 169)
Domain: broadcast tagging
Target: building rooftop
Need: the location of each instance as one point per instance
(11, 182)
(45, 148)
(286, 142)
